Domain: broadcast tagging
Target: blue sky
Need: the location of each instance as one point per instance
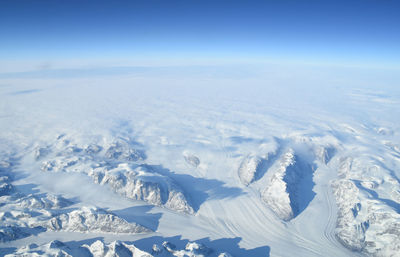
(344, 32)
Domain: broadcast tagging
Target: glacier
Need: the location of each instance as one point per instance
(200, 164)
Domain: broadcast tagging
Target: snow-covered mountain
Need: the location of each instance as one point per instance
(154, 166)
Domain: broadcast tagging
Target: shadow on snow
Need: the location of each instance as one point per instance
(198, 190)
(229, 245)
(140, 215)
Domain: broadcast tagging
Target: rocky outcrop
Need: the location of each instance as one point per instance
(289, 189)
(140, 183)
(119, 166)
(116, 248)
(92, 220)
(9, 233)
(249, 168)
(368, 219)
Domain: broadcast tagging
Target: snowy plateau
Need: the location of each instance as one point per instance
(199, 162)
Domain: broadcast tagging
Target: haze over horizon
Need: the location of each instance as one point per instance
(158, 33)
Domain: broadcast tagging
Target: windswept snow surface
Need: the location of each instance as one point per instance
(171, 163)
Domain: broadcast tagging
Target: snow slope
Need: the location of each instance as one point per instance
(251, 166)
